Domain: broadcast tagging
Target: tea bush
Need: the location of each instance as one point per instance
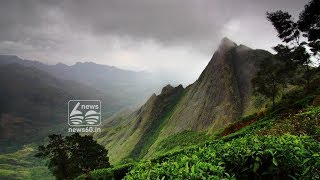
(117, 172)
(246, 157)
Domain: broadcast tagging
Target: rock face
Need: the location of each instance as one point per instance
(213, 100)
(223, 91)
(222, 94)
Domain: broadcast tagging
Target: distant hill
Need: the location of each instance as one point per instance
(222, 94)
(33, 104)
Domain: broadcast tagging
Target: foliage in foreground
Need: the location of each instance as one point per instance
(245, 157)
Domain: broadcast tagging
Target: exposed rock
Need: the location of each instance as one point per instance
(167, 89)
(222, 93)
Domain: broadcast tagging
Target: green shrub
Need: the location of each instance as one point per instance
(117, 172)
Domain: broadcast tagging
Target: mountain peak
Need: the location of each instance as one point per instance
(227, 40)
(226, 43)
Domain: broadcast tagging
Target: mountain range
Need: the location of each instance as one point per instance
(127, 86)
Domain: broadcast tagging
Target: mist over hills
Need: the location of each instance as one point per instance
(128, 86)
(34, 104)
(34, 96)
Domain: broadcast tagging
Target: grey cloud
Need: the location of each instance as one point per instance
(167, 20)
(106, 31)
(163, 20)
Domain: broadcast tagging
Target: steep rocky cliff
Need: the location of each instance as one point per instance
(223, 91)
(222, 94)
(132, 134)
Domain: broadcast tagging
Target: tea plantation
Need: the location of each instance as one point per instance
(268, 145)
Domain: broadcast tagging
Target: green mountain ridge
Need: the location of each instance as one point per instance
(222, 94)
(136, 132)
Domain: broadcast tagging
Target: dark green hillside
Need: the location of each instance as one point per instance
(131, 136)
(159, 115)
(34, 104)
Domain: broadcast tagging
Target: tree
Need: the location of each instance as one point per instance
(309, 22)
(301, 38)
(56, 152)
(269, 79)
(73, 155)
(86, 153)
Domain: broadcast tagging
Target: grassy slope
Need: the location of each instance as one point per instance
(22, 165)
(160, 135)
(151, 134)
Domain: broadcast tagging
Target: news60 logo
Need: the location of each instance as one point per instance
(84, 112)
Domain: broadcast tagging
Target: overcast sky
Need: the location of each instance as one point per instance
(172, 37)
